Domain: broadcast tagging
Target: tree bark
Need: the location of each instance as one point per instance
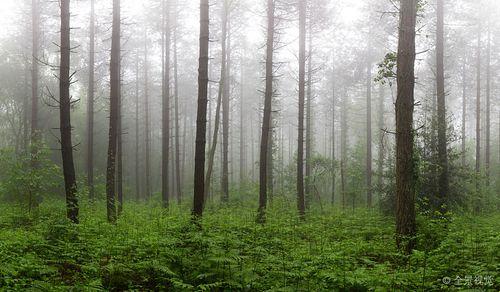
(114, 112)
(333, 132)
(441, 109)
(165, 113)
(478, 112)
(266, 122)
(487, 145)
(178, 189)
(405, 169)
(137, 162)
(464, 110)
(90, 105)
(147, 122)
(65, 116)
(309, 130)
(35, 130)
(225, 105)
(369, 157)
(201, 122)
(381, 150)
(300, 138)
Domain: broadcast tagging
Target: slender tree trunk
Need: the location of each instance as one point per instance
(65, 116)
(381, 150)
(119, 157)
(309, 130)
(464, 110)
(90, 106)
(165, 104)
(333, 132)
(300, 138)
(441, 108)
(177, 129)
(220, 97)
(35, 130)
(147, 121)
(478, 113)
(266, 122)
(487, 145)
(242, 121)
(114, 112)
(405, 169)
(369, 157)
(225, 106)
(137, 164)
(201, 123)
(270, 160)
(343, 142)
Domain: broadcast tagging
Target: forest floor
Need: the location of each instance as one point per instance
(154, 249)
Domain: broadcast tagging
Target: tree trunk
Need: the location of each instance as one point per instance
(137, 163)
(114, 112)
(405, 169)
(487, 145)
(35, 130)
(464, 109)
(333, 132)
(65, 116)
(242, 121)
(201, 122)
(300, 138)
(165, 113)
(343, 142)
(441, 108)
(147, 121)
(478, 113)
(266, 122)
(309, 130)
(369, 158)
(119, 158)
(225, 106)
(220, 97)
(177, 129)
(90, 106)
(381, 150)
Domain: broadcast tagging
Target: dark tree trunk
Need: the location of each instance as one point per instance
(381, 150)
(300, 139)
(225, 106)
(369, 189)
(178, 185)
(220, 98)
(478, 114)
(487, 143)
(441, 108)
(65, 116)
(405, 169)
(113, 115)
(147, 122)
(90, 106)
(136, 150)
(266, 122)
(165, 113)
(309, 130)
(464, 109)
(201, 122)
(119, 159)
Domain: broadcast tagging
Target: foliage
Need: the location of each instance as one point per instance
(154, 249)
(24, 181)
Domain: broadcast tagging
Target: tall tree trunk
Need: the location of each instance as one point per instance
(405, 169)
(300, 139)
(225, 106)
(487, 145)
(369, 157)
(478, 113)
(165, 113)
(464, 109)
(333, 131)
(147, 121)
(242, 121)
(270, 160)
(309, 130)
(266, 122)
(201, 122)
(381, 150)
(90, 106)
(220, 97)
(35, 130)
(441, 108)
(343, 146)
(65, 116)
(177, 129)
(119, 158)
(137, 163)
(114, 112)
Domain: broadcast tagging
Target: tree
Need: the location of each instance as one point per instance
(147, 120)
(225, 101)
(302, 65)
(65, 115)
(113, 114)
(136, 148)
(35, 130)
(266, 122)
(201, 119)
(441, 108)
(369, 124)
(176, 107)
(90, 105)
(405, 168)
(478, 110)
(487, 142)
(165, 112)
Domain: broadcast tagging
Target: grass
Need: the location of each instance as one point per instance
(155, 249)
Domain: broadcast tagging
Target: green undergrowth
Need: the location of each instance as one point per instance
(155, 249)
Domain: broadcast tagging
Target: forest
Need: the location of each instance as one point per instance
(249, 145)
